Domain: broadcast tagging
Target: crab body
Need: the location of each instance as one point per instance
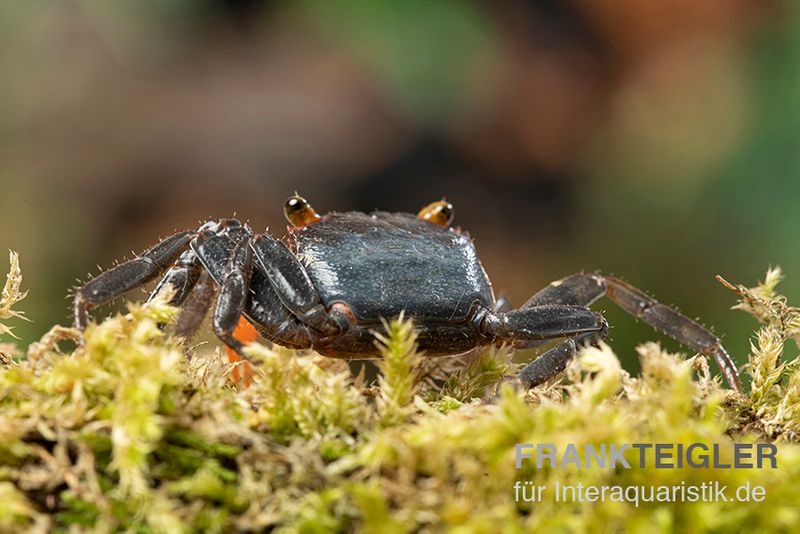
(336, 277)
(381, 264)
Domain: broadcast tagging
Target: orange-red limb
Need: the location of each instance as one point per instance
(246, 333)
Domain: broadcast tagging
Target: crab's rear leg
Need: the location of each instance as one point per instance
(585, 288)
(128, 275)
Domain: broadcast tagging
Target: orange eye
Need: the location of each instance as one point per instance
(440, 212)
(299, 212)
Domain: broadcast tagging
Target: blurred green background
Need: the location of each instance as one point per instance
(658, 140)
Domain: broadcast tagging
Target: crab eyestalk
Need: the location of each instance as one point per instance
(299, 212)
(440, 212)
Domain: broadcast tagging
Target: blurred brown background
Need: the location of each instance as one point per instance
(655, 140)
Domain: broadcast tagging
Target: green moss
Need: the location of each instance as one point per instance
(124, 432)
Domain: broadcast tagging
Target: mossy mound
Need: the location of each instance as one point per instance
(127, 433)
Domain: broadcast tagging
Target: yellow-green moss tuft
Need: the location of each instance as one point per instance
(12, 294)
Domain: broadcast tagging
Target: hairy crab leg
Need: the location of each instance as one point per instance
(228, 260)
(128, 275)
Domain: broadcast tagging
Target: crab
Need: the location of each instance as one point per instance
(333, 279)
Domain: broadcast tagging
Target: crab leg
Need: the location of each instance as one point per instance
(232, 297)
(128, 275)
(195, 292)
(227, 258)
(585, 288)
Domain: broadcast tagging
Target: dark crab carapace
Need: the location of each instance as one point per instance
(336, 276)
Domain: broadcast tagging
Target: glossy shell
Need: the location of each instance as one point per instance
(382, 263)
